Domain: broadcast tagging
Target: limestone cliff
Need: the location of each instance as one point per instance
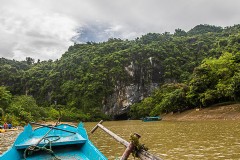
(143, 80)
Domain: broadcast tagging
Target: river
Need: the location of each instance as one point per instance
(174, 140)
(170, 140)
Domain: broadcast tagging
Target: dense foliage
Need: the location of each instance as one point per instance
(193, 69)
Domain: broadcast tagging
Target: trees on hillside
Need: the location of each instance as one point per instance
(5, 98)
(186, 65)
(215, 80)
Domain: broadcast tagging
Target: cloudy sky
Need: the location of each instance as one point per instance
(44, 29)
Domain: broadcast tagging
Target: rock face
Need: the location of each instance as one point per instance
(143, 80)
(118, 104)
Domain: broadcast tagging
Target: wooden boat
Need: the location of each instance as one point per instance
(61, 141)
(149, 119)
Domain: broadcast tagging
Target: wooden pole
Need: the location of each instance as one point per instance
(128, 151)
(94, 129)
(142, 154)
(116, 137)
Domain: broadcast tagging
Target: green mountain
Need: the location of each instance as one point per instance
(150, 75)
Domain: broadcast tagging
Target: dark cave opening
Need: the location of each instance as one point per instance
(123, 116)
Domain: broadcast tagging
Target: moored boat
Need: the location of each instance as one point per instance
(2, 130)
(8, 130)
(61, 141)
(149, 119)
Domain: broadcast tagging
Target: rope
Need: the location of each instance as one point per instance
(34, 148)
(137, 145)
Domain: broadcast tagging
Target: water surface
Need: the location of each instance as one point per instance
(174, 140)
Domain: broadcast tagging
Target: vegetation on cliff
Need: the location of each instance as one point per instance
(197, 68)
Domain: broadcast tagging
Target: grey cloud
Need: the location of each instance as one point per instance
(44, 43)
(36, 34)
(6, 45)
(91, 32)
(45, 29)
(99, 32)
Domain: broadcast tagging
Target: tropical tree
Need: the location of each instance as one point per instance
(5, 98)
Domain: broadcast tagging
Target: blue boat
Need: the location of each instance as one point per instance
(149, 119)
(62, 141)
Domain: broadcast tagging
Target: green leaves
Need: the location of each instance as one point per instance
(5, 98)
(169, 98)
(204, 28)
(215, 80)
(142, 109)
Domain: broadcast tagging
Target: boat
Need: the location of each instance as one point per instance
(8, 130)
(149, 119)
(2, 130)
(61, 141)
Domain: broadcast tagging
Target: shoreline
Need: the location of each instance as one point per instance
(213, 113)
(226, 112)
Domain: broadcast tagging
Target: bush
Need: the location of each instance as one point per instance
(25, 109)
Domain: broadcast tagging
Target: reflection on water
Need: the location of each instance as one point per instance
(174, 140)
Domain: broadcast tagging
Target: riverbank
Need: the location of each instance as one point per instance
(226, 112)
(7, 139)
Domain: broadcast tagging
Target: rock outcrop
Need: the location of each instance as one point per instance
(144, 79)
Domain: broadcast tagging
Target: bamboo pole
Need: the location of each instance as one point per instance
(142, 154)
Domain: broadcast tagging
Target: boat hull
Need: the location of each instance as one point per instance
(150, 119)
(74, 145)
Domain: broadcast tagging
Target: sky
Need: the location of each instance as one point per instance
(44, 29)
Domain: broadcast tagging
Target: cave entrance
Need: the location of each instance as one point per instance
(123, 116)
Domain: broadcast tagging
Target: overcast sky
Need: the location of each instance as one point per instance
(44, 29)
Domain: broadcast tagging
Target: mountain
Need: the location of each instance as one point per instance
(112, 77)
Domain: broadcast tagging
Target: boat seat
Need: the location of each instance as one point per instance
(64, 140)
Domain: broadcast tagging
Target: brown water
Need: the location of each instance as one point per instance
(169, 140)
(174, 140)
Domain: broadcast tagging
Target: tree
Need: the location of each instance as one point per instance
(29, 60)
(140, 110)
(214, 81)
(87, 76)
(25, 108)
(180, 32)
(5, 98)
(204, 28)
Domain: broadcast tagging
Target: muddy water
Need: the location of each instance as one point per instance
(168, 140)
(175, 140)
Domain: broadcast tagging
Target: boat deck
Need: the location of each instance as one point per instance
(66, 153)
(64, 140)
(67, 142)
